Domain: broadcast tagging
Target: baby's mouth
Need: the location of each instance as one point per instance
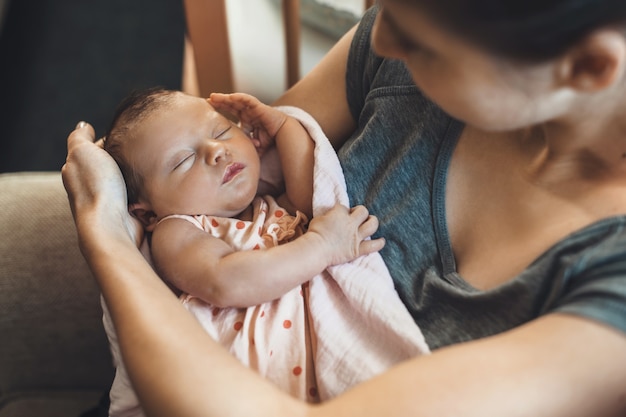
(231, 171)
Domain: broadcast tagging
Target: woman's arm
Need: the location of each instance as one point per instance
(206, 267)
(555, 366)
(322, 93)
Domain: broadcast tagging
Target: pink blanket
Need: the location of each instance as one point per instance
(360, 326)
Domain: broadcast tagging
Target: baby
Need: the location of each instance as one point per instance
(193, 181)
(180, 156)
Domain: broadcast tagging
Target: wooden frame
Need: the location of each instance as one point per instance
(207, 42)
(206, 20)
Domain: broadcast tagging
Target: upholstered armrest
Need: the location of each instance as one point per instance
(54, 357)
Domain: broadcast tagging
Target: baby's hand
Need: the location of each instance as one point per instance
(345, 231)
(259, 120)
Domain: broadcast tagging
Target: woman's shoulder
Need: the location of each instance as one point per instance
(597, 245)
(591, 264)
(366, 70)
(372, 79)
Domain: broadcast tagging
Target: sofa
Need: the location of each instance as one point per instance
(54, 355)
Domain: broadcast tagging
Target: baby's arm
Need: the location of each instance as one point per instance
(208, 268)
(295, 147)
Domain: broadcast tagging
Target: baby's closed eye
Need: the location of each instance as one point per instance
(185, 163)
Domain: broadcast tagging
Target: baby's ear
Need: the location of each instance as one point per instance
(146, 217)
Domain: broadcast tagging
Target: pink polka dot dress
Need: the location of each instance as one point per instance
(272, 338)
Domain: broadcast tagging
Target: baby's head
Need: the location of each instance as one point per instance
(179, 155)
(130, 113)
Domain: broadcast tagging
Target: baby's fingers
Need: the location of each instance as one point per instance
(235, 102)
(359, 212)
(368, 224)
(368, 227)
(370, 246)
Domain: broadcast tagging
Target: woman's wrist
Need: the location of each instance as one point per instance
(97, 231)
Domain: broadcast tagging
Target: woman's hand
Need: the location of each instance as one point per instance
(96, 188)
(261, 121)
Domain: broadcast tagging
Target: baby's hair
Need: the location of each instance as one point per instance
(133, 109)
(525, 30)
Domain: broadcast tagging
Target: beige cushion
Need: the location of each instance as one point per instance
(50, 316)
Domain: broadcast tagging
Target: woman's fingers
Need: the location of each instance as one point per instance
(82, 133)
(94, 183)
(88, 169)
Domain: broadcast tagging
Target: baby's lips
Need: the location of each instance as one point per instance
(231, 172)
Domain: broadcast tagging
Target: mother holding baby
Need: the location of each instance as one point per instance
(489, 138)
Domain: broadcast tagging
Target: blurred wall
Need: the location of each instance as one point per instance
(62, 61)
(255, 30)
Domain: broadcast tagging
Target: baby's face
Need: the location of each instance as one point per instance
(194, 161)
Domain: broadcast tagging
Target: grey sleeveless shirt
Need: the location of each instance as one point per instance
(396, 164)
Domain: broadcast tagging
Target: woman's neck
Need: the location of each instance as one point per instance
(589, 145)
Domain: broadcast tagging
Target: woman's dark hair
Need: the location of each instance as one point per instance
(525, 30)
(132, 109)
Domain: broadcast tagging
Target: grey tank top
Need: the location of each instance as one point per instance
(396, 164)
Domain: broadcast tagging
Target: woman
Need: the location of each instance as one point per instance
(507, 241)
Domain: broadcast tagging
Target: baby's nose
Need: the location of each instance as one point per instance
(216, 151)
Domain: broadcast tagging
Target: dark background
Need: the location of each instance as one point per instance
(62, 61)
